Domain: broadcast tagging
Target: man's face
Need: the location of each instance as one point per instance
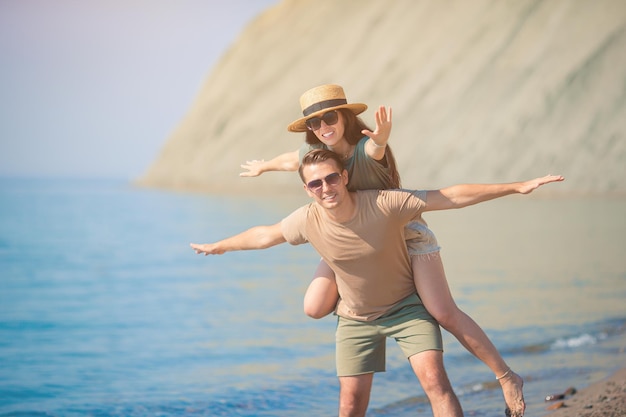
(325, 184)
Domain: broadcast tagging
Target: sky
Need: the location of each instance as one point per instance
(93, 89)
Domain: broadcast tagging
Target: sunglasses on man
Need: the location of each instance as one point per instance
(330, 118)
(330, 180)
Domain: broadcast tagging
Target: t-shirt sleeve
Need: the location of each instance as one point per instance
(409, 204)
(420, 198)
(293, 227)
(366, 173)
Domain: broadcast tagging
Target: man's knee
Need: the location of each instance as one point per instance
(354, 395)
(435, 382)
(352, 406)
(429, 369)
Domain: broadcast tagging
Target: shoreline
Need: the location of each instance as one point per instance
(606, 398)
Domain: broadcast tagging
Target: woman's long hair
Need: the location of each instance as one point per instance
(353, 126)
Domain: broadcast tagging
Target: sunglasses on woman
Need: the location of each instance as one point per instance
(330, 180)
(330, 118)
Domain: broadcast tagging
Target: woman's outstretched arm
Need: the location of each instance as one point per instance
(289, 161)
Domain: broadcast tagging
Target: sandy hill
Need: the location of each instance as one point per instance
(481, 90)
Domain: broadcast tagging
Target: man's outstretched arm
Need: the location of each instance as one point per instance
(258, 237)
(463, 195)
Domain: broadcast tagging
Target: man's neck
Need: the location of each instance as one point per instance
(345, 211)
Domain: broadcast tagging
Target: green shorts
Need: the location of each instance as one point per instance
(360, 345)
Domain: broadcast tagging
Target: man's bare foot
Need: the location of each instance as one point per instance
(512, 388)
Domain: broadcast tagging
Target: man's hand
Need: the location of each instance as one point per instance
(528, 186)
(257, 237)
(206, 249)
(463, 195)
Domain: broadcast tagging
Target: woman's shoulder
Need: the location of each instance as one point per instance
(360, 146)
(361, 143)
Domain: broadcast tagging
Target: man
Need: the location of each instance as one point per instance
(360, 235)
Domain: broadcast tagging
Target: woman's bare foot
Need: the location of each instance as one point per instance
(512, 385)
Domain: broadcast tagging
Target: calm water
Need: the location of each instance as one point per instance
(105, 311)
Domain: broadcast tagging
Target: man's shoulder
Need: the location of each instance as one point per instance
(304, 210)
(295, 224)
(392, 196)
(398, 192)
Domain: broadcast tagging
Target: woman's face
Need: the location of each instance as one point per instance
(331, 135)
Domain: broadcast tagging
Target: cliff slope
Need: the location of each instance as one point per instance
(482, 91)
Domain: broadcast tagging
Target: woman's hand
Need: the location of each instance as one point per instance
(380, 135)
(253, 168)
(288, 161)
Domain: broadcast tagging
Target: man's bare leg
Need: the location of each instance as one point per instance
(354, 394)
(428, 367)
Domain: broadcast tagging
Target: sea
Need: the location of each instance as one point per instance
(106, 311)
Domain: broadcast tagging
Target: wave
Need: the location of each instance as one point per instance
(592, 335)
(483, 394)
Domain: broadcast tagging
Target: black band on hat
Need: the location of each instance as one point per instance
(323, 105)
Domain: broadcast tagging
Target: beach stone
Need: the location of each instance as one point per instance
(556, 406)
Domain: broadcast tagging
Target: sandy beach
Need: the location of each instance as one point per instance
(605, 398)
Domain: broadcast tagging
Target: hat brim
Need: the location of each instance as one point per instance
(300, 125)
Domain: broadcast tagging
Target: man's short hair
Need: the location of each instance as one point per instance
(316, 156)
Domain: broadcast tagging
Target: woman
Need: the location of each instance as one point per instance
(331, 122)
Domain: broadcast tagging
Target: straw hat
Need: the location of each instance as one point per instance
(319, 100)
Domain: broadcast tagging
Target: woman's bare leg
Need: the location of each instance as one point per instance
(432, 287)
(321, 296)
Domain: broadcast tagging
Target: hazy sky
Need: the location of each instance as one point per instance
(94, 88)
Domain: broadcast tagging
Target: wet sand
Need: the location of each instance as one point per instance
(605, 398)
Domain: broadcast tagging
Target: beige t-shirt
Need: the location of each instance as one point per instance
(368, 253)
